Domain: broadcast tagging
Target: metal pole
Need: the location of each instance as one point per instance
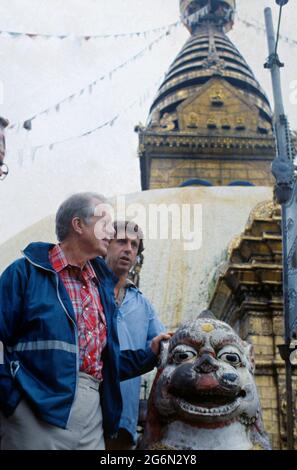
(283, 161)
(276, 85)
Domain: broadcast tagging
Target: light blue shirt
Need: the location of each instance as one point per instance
(138, 324)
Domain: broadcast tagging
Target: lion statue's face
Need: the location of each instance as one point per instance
(206, 376)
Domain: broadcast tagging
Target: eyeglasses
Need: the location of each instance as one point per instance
(3, 171)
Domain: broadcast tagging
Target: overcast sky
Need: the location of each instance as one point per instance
(36, 74)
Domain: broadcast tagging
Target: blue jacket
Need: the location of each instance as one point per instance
(39, 334)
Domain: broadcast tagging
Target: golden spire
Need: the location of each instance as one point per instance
(207, 54)
(194, 13)
(211, 121)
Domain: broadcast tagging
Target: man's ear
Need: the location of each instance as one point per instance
(77, 225)
(164, 348)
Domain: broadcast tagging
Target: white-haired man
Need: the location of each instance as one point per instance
(58, 327)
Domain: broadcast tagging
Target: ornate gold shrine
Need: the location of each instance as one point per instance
(249, 296)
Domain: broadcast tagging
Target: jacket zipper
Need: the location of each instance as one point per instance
(72, 321)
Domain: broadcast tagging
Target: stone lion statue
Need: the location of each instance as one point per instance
(204, 395)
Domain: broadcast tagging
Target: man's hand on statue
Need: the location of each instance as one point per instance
(155, 344)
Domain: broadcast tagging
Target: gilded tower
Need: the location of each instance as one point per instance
(210, 123)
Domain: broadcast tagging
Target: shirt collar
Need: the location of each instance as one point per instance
(130, 284)
(60, 262)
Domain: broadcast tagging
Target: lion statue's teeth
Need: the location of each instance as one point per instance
(204, 395)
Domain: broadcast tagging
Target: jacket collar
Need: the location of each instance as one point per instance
(37, 253)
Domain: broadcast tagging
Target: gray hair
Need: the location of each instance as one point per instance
(78, 205)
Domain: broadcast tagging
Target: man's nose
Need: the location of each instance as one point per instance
(206, 364)
(128, 247)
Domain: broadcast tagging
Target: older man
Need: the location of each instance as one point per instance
(58, 328)
(138, 322)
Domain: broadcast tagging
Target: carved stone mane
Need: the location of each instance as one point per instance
(204, 395)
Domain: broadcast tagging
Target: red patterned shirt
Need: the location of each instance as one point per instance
(81, 285)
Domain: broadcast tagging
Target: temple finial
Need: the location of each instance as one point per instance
(196, 12)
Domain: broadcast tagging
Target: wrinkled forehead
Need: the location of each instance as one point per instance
(201, 333)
